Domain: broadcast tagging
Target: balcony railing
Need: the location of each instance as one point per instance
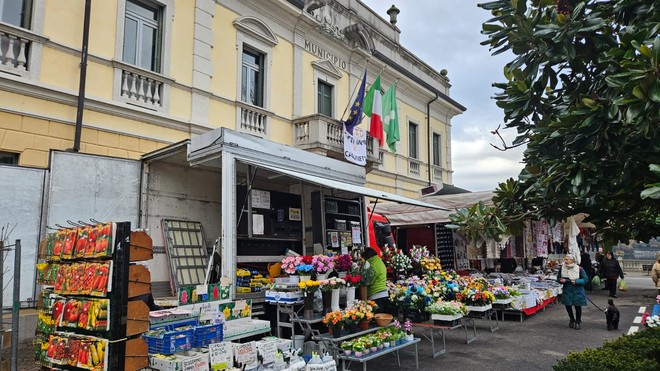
(140, 87)
(252, 120)
(437, 174)
(323, 135)
(414, 167)
(16, 45)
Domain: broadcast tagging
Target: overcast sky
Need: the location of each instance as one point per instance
(446, 34)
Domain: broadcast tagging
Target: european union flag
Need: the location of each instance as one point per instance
(355, 115)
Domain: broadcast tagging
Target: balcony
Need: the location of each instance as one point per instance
(140, 87)
(324, 136)
(252, 120)
(18, 47)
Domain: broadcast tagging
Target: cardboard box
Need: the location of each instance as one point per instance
(137, 356)
(139, 280)
(284, 296)
(141, 247)
(137, 318)
(184, 361)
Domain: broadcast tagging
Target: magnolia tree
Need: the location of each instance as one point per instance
(583, 94)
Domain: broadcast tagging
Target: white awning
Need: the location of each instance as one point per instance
(329, 183)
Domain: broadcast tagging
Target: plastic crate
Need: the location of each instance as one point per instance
(208, 334)
(171, 341)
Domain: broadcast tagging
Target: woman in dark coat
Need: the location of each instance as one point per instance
(573, 277)
(611, 271)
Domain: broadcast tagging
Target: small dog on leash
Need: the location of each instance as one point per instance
(612, 316)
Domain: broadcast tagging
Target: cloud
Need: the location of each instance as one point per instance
(446, 34)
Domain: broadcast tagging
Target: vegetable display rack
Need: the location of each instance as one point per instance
(82, 322)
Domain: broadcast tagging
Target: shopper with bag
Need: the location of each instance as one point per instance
(573, 277)
(610, 270)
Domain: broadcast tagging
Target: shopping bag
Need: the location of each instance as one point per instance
(595, 281)
(623, 286)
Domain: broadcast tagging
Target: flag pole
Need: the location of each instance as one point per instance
(353, 93)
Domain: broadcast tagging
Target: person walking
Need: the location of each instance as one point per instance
(573, 277)
(655, 274)
(610, 270)
(585, 263)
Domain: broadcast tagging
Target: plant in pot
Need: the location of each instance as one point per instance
(347, 346)
(367, 308)
(334, 321)
(352, 317)
(358, 348)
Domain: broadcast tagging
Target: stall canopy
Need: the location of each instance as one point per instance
(401, 215)
(369, 192)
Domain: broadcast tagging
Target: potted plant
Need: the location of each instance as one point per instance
(334, 321)
(343, 264)
(358, 348)
(447, 310)
(347, 346)
(408, 328)
(476, 300)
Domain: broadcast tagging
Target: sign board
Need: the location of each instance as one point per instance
(221, 355)
(355, 146)
(267, 350)
(246, 353)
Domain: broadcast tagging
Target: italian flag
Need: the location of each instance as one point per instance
(373, 107)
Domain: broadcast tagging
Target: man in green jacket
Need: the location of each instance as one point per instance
(378, 289)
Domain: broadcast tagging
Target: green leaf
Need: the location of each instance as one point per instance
(638, 92)
(652, 192)
(646, 51)
(654, 93)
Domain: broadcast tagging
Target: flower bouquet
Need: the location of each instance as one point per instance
(309, 286)
(650, 322)
(502, 295)
(400, 262)
(290, 263)
(417, 253)
(430, 264)
(476, 300)
(304, 270)
(343, 263)
(352, 280)
(335, 322)
(322, 263)
(447, 310)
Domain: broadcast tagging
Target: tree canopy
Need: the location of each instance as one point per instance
(583, 94)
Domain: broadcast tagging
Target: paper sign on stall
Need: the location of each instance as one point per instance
(357, 235)
(319, 367)
(221, 355)
(210, 312)
(268, 350)
(246, 353)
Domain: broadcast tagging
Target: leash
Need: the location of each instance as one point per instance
(597, 307)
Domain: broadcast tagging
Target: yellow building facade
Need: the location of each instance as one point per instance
(161, 71)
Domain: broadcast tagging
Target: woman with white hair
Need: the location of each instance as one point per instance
(573, 277)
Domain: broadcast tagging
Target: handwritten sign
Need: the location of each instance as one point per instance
(246, 353)
(210, 312)
(355, 146)
(267, 350)
(197, 363)
(221, 355)
(260, 199)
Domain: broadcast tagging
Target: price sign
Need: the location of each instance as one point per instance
(209, 312)
(221, 355)
(318, 367)
(268, 351)
(246, 353)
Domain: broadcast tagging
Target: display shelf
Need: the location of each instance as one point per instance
(344, 358)
(259, 258)
(333, 220)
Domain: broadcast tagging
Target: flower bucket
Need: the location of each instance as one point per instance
(364, 325)
(327, 301)
(334, 305)
(363, 292)
(350, 295)
(321, 276)
(305, 278)
(342, 274)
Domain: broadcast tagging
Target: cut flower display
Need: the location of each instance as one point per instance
(322, 263)
(417, 253)
(501, 293)
(450, 308)
(475, 297)
(343, 263)
(400, 262)
(309, 286)
(290, 263)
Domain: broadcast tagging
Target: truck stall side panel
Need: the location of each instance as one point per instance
(180, 193)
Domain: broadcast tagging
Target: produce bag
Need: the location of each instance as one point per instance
(595, 281)
(623, 286)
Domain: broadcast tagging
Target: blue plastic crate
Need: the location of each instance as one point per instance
(208, 334)
(171, 341)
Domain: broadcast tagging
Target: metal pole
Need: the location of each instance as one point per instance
(16, 306)
(83, 78)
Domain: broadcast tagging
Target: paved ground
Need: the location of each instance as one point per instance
(537, 343)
